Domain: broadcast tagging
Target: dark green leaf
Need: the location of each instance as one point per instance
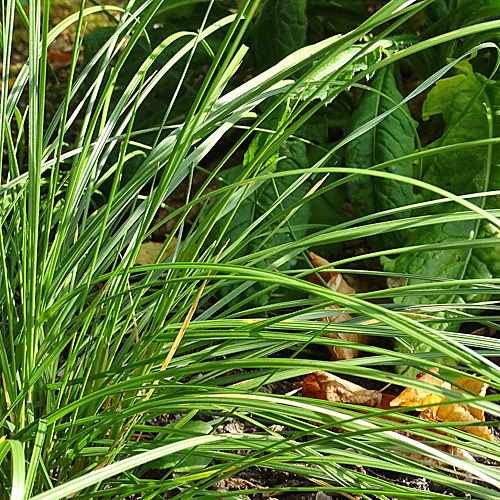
(392, 138)
(330, 17)
(281, 28)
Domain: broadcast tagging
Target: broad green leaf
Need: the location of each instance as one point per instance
(470, 108)
(391, 139)
(346, 18)
(469, 105)
(280, 30)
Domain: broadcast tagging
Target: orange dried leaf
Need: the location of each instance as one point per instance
(310, 387)
(324, 385)
(59, 60)
(467, 413)
(59, 57)
(462, 413)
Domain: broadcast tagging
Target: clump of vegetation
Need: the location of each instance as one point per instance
(156, 281)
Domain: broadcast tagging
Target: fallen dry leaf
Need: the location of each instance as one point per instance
(337, 283)
(419, 398)
(329, 387)
(59, 60)
(324, 385)
(478, 387)
(149, 251)
(454, 412)
(467, 413)
(333, 279)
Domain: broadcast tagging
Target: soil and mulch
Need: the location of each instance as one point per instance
(258, 477)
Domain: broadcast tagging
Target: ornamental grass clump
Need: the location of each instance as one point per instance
(112, 367)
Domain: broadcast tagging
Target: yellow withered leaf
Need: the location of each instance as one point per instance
(149, 251)
(453, 412)
(467, 413)
(418, 397)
